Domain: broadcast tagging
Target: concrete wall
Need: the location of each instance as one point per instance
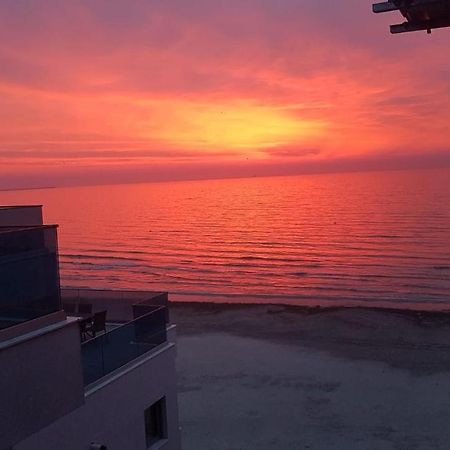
(11, 216)
(41, 380)
(31, 326)
(113, 414)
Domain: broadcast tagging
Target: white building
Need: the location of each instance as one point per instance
(114, 389)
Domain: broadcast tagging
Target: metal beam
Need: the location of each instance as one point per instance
(420, 14)
(384, 7)
(428, 25)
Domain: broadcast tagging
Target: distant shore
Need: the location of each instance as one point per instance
(26, 188)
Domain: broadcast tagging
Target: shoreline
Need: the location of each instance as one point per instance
(295, 301)
(418, 313)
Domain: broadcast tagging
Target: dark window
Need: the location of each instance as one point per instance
(155, 422)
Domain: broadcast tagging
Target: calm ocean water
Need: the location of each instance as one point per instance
(368, 238)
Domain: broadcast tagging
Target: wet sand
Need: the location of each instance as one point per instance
(275, 377)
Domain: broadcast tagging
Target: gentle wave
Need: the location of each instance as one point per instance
(378, 239)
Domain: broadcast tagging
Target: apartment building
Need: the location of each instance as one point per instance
(81, 369)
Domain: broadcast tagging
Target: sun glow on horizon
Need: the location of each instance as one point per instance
(231, 126)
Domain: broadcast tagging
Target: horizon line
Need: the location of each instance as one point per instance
(218, 178)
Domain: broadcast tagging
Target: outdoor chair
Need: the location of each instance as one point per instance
(85, 326)
(98, 324)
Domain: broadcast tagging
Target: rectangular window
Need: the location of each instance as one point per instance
(155, 422)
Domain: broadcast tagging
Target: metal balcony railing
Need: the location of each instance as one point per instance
(121, 305)
(112, 350)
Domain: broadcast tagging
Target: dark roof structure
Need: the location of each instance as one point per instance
(419, 14)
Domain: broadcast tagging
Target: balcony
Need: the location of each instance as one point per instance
(136, 324)
(112, 350)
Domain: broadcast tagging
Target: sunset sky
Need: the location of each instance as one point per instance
(120, 90)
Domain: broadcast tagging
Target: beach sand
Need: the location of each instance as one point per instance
(276, 377)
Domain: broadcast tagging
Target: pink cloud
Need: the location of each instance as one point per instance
(92, 83)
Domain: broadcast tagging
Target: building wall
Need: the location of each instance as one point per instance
(113, 414)
(41, 380)
(20, 216)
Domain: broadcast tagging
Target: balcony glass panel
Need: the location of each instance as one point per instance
(107, 352)
(29, 274)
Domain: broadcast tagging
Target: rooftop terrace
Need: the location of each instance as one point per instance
(136, 324)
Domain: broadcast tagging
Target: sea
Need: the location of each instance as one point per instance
(367, 239)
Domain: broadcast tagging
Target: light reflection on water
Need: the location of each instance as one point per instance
(381, 237)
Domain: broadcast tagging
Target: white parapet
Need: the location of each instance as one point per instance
(21, 216)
